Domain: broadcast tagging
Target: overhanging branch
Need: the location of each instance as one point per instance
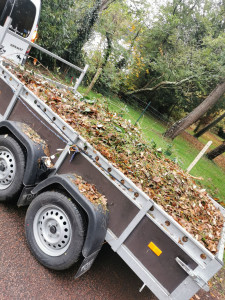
(161, 84)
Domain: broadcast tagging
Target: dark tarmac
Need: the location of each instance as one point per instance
(22, 277)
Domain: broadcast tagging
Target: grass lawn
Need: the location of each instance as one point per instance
(182, 151)
(208, 136)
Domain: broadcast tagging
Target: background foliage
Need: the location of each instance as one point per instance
(138, 49)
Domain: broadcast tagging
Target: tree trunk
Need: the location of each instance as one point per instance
(105, 4)
(199, 111)
(90, 87)
(99, 71)
(84, 31)
(198, 125)
(216, 152)
(201, 132)
(108, 49)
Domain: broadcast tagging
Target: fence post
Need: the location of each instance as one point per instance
(143, 112)
(80, 78)
(201, 153)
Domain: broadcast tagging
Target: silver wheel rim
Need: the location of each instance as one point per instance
(52, 230)
(7, 168)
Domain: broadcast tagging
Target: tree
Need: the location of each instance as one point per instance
(109, 48)
(84, 30)
(216, 152)
(55, 26)
(202, 131)
(199, 111)
(66, 25)
(99, 70)
(185, 41)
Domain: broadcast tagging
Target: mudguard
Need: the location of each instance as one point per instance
(97, 217)
(34, 152)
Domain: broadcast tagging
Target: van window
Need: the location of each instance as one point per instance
(6, 9)
(2, 6)
(23, 14)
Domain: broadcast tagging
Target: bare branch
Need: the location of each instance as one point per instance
(176, 6)
(105, 4)
(151, 81)
(161, 84)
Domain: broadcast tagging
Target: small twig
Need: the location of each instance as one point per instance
(197, 178)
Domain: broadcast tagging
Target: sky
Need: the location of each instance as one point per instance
(98, 42)
(153, 8)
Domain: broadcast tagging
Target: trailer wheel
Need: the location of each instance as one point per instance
(54, 230)
(12, 166)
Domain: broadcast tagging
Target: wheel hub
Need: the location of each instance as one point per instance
(52, 230)
(2, 167)
(7, 168)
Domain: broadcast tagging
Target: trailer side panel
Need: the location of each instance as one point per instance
(6, 95)
(163, 267)
(121, 209)
(24, 113)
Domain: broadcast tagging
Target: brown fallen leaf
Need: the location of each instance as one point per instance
(156, 179)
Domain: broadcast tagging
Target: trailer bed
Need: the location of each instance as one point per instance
(166, 257)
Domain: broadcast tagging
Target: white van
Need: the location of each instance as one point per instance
(25, 16)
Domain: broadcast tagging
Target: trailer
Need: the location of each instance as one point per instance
(62, 225)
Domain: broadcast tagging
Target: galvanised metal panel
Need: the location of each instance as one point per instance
(24, 113)
(6, 94)
(163, 267)
(121, 209)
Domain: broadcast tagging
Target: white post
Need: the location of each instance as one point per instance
(201, 153)
(5, 29)
(80, 78)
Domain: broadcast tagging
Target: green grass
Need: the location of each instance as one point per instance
(183, 152)
(209, 136)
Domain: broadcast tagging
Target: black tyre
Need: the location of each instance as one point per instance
(12, 167)
(54, 230)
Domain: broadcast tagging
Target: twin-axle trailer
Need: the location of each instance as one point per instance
(62, 225)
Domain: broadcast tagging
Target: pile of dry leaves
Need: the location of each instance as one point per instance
(121, 143)
(90, 192)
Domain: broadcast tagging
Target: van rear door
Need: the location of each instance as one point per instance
(25, 15)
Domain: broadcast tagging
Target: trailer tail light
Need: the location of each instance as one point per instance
(155, 249)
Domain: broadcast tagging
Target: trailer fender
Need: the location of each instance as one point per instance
(34, 152)
(97, 217)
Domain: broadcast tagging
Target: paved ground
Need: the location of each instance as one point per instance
(22, 277)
